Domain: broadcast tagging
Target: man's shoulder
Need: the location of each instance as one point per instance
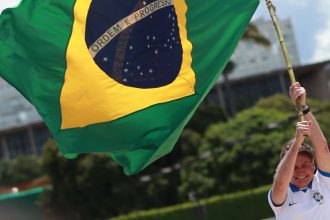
(275, 206)
(322, 178)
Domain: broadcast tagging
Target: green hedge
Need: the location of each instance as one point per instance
(247, 205)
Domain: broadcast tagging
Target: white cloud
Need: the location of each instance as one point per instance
(322, 48)
(322, 37)
(8, 4)
(302, 3)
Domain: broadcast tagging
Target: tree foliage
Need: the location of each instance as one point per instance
(93, 186)
(206, 115)
(243, 149)
(21, 170)
(90, 186)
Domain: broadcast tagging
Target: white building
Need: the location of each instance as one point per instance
(252, 59)
(22, 131)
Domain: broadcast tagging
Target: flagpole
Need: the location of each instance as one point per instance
(272, 12)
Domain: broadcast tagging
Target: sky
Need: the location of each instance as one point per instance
(311, 23)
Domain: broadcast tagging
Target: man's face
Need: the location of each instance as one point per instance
(303, 171)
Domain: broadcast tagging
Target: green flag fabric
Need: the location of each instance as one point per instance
(115, 76)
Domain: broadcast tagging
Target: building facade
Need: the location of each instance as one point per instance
(246, 91)
(251, 58)
(22, 131)
(254, 60)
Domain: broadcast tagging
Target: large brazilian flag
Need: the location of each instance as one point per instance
(122, 77)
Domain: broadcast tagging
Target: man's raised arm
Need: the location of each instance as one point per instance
(322, 154)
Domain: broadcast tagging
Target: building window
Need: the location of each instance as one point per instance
(41, 136)
(2, 150)
(18, 144)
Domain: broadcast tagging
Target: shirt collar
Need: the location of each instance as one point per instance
(296, 189)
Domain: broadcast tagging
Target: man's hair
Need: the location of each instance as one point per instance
(305, 148)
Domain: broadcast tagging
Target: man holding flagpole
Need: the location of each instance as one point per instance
(301, 187)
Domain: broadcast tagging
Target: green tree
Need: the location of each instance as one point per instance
(196, 177)
(206, 115)
(321, 110)
(21, 170)
(5, 172)
(88, 187)
(277, 102)
(93, 186)
(25, 168)
(244, 148)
